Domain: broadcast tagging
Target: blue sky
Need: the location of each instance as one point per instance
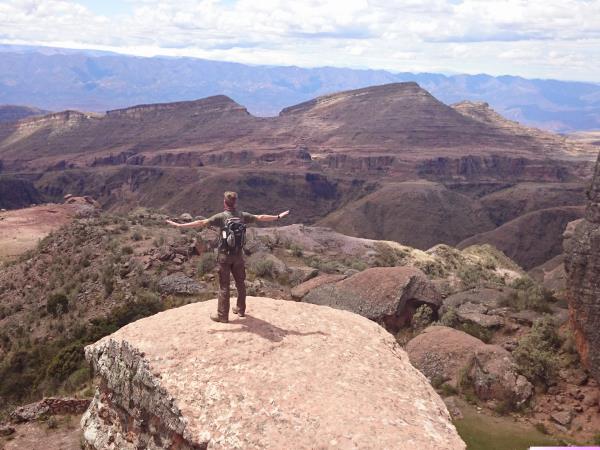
(535, 38)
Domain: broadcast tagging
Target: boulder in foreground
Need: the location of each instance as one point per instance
(288, 375)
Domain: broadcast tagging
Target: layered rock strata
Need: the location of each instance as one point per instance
(288, 375)
(582, 265)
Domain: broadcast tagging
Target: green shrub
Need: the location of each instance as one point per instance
(388, 256)
(67, 361)
(528, 295)
(447, 390)
(476, 330)
(263, 268)
(296, 250)
(127, 250)
(322, 265)
(57, 304)
(450, 318)
(108, 279)
(541, 428)
(137, 236)
(207, 263)
(536, 352)
(422, 318)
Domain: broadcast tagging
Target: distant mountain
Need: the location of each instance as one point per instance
(57, 79)
(12, 113)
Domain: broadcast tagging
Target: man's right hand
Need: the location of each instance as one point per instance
(283, 214)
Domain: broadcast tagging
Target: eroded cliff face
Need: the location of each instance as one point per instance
(286, 375)
(582, 264)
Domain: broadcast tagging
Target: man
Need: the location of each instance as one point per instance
(231, 256)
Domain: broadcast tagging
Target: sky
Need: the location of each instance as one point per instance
(557, 39)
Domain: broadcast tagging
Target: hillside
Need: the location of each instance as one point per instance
(418, 214)
(531, 239)
(12, 113)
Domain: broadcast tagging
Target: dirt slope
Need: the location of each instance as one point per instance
(420, 214)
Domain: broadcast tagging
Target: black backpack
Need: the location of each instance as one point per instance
(233, 236)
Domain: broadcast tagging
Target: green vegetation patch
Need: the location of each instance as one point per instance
(482, 432)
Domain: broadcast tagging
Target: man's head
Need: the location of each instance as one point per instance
(229, 200)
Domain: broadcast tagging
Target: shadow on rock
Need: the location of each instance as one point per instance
(264, 329)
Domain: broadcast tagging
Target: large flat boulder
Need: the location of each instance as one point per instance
(288, 375)
(388, 295)
(444, 354)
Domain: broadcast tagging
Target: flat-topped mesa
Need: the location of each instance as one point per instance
(288, 375)
(205, 105)
(582, 264)
(390, 90)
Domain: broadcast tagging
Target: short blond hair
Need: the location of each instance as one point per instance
(230, 196)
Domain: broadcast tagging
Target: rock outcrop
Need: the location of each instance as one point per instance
(582, 265)
(49, 406)
(287, 375)
(179, 284)
(388, 295)
(444, 354)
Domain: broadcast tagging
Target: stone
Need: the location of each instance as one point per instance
(179, 284)
(299, 275)
(591, 399)
(388, 295)
(444, 354)
(478, 314)
(288, 372)
(563, 418)
(582, 266)
(49, 406)
(165, 253)
(302, 289)
(488, 298)
(453, 408)
(186, 217)
(6, 430)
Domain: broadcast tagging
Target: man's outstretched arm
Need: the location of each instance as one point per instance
(269, 218)
(195, 224)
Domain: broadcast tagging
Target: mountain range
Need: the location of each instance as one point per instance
(384, 162)
(57, 79)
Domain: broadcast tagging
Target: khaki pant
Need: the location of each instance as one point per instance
(231, 264)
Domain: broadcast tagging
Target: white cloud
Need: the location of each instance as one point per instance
(544, 38)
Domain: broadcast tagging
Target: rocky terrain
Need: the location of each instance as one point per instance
(103, 271)
(279, 375)
(582, 254)
(372, 162)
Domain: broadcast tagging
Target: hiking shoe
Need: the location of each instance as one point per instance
(216, 318)
(235, 310)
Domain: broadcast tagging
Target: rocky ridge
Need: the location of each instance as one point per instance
(582, 265)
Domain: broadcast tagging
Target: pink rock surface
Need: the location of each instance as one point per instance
(288, 375)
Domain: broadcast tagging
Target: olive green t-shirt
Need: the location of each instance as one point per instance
(218, 220)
